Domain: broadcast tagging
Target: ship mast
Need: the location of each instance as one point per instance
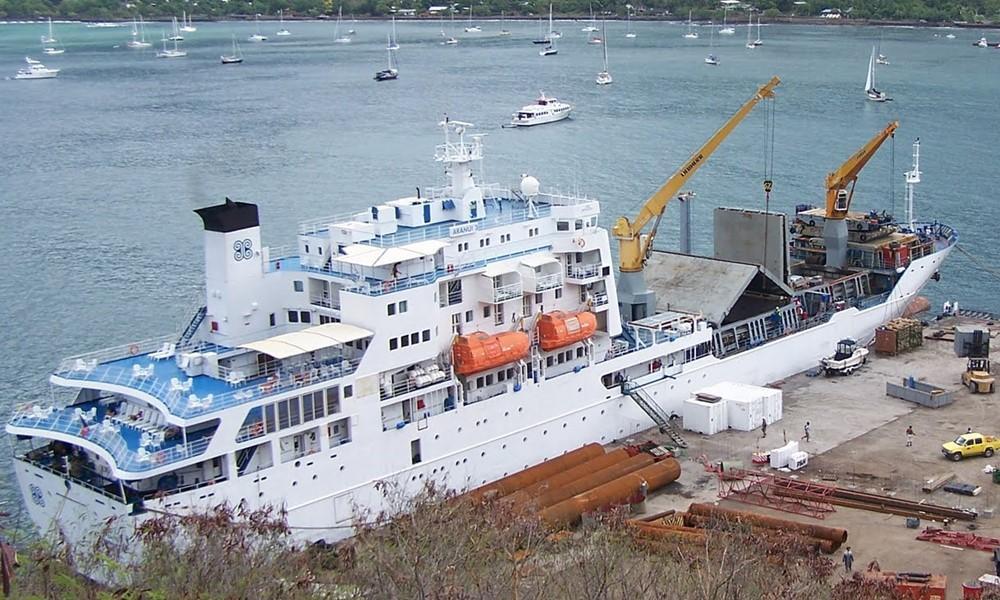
(912, 178)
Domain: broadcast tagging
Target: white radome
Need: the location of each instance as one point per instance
(529, 185)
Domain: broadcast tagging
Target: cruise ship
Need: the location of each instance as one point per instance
(454, 336)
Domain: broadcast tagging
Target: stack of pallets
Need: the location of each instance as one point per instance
(899, 335)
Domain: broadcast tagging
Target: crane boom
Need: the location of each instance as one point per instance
(838, 196)
(633, 246)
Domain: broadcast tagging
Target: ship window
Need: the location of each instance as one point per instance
(415, 451)
(393, 343)
(332, 401)
(269, 418)
(469, 315)
(489, 379)
(293, 316)
(390, 309)
(415, 338)
(308, 414)
(548, 361)
(425, 335)
(486, 311)
(562, 226)
(578, 224)
(348, 391)
(297, 285)
(579, 352)
(305, 316)
(307, 252)
(272, 319)
(283, 414)
(479, 382)
(404, 341)
(293, 411)
(456, 322)
(319, 250)
(498, 318)
(558, 293)
(538, 298)
(402, 306)
(501, 375)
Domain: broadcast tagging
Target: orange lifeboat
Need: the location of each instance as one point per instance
(480, 351)
(557, 329)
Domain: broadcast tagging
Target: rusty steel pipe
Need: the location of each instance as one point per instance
(875, 506)
(581, 485)
(523, 496)
(614, 492)
(834, 534)
(703, 522)
(548, 468)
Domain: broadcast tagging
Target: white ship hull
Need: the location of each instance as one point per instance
(477, 442)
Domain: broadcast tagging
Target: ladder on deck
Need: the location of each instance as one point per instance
(651, 408)
(192, 326)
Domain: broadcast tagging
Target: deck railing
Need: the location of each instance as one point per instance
(583, 271)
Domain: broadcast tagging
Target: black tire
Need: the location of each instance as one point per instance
(955, 456)
(988, 453)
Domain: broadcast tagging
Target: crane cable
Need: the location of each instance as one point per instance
(892, 175)
(768, 152)
(976, 261)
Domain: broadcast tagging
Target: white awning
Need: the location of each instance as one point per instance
(308, 340)
(538, 260)
(496, 270)
(373, 256)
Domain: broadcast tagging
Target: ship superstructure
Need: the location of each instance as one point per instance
(456, 335)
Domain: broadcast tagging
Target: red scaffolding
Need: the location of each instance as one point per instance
(762, 489)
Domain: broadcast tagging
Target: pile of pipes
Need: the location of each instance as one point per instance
(791, 488)
(695, 525)
(589, 479)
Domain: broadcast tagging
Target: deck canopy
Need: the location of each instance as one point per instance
(538, 260)
(373, 256)
(307, 340)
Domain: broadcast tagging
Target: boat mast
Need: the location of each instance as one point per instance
(912, 178)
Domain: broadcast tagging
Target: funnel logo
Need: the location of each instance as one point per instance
(242, 250)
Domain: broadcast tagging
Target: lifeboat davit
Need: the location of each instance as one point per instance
(557, 329)
(480, 351)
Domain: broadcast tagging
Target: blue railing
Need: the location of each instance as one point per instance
(67, 422)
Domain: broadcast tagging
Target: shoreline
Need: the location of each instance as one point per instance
(781, 19)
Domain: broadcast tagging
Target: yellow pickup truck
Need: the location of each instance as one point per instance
(971, 444)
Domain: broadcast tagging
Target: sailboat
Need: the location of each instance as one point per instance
(186, 24)
(604, 77)
(691, 33)
(595, 39)
(337, 38)
(393, 42)
(472, 28)
(871, 91)
(503, 29)
(391, 72)
(49, 39)
(542, 38)
(176, 35)
(712, 59)
(236, 57)
(751, 44)
(138, 35)
(281, 22)
(553, 34)
(550, 49)
(758, 41)
(726, 29)
(628, 22)
(48, 48)
(593, 24)
(175, 53)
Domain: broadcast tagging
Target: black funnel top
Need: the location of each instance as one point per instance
(230, 216)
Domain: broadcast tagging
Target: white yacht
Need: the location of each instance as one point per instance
(726, 28)
(543, 110)
(50, 37)
(871, 91)
(175, 32)
(472, 27)
(503, 28)
(751, 43)
(390, 72)
(628, 22)
(51, 50)
(604, 77)
(138, 40)
(712, 59)
(257, 36)
(691, 33)
(235, 58)
(981, 43)
(882, 59)
(552, 34)
(175, 52)
(35, 70)
(282, 32)
(450, 336)
(592, 25)
(186, 25)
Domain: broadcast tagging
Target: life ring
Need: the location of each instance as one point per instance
(133, 349)
(582, 243)
(257, 429)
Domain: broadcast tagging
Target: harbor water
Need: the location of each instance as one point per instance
(103, 165)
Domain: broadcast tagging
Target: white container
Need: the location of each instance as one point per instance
(747, 405)
(798, 460)
(780, 456)
(773, 404)
(705, 414)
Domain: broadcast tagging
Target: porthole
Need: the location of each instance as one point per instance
(464, 460)
(545, 432)
(295, 483)
(481, 454)
(579, 390)
(456, 463)
(260, 494)
(298, 463)
(503, 447)
(583, 418)
(524, 439)
(602, 411)
(314, 477)
(519, 409)
(484, 421)
(477, 423)
(460, 430)
(341, 467)
(437, 435)
(506, 413)
(564, 426)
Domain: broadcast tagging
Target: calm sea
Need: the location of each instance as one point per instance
(102, 167)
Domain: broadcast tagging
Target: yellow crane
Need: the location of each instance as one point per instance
(840, 183)
(634, 247)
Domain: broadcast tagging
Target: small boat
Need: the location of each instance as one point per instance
(544, 110)
(471, 27)
(549, 50)
(391, 72)
(186, 25)
(393, 42)
(691, 33)
(138, 35)
(503, 29)
(47, 48)
(604, 77)
(726, 29)
(950, 36)
(628, 23)
(595, 39)
(236, 57)
(283, 32)
(103, 25)
(758, 41)
(542, 38)
(176, 36)
(174, 53)
(35, 70)
(751, 44)
(882, 59)
(450, 40)
(712, 59)
(871, 92)
(50, 38)
(982, 43)
(258, 36)
(593, 24)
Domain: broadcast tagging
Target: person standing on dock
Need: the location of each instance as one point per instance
(996, 560)
(909, 436)
(848, 560)
(806, 429)
(763, 428)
